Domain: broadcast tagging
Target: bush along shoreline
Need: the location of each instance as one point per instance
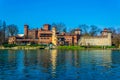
(14, 46)
(86, 47)
(36, 46)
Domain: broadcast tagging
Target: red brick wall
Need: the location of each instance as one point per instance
(32, 34)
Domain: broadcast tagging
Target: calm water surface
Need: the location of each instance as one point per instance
(59, 65)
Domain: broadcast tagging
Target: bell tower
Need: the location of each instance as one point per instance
(54, 36)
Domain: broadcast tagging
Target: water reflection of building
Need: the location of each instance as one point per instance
(96, 57)
(72, 58)
(53, 59)
(43, 59)
(107, 57)
(76, 58)
(30, 57)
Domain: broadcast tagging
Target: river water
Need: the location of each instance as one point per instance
(59, 65)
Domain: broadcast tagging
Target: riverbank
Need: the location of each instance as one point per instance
(70, 47)
(22, 47)
(61, 47)
(88, 48)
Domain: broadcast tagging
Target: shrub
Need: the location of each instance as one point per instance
(70, 47)
(111, 47)
(9, 45)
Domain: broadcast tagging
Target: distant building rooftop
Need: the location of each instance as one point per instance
(20, 35)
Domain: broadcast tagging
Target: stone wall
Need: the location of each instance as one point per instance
(96, 41)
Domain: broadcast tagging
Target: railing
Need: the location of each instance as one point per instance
(27, 39)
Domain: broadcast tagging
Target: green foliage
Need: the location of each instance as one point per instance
(85, 47)
(35, 45)
(70, 47)
(9, 45)
(96, 46)
(100, 47)
(111, 47)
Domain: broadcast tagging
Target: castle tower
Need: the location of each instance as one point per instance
(54, 36)
(77, 31)
(109, 38)
(105, 32)
(108, 34)
(46, 27)
(26, 30)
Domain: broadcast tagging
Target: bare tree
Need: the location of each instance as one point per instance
(72, 31)
(60, 26)
(4, 30)
(85, 29)
(116, 40)
(65, 29)
(118, 30)
(115, 36)
(94, 30)
(113, 30)
(12, 29)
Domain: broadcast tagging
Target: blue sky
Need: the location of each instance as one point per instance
(103, 13)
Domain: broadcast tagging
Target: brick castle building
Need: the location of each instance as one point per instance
(46, 35)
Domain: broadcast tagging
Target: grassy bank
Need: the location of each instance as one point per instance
(35, 46)
(21, 47)
(70, 47)
(13, 46)
(86, 47)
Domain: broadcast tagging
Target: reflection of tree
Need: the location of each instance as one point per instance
(61, 57)
(11, 56)
(43, 59)
(115, 57)
(76, 58)
(3, 58)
